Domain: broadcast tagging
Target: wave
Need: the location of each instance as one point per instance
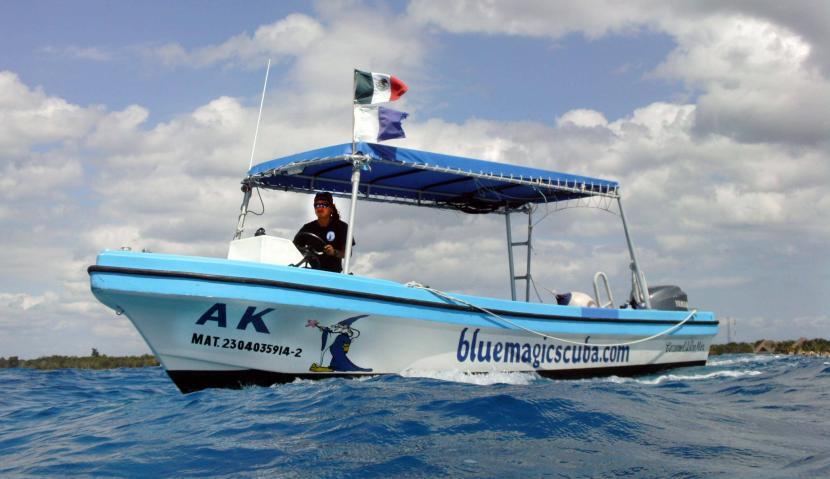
(479, 379)
(526, 378)
(744, 360)
(85, 422)
(683, 377)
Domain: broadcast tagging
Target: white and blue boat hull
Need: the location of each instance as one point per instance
(222, 323)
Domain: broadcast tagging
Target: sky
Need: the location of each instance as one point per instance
(131, 124)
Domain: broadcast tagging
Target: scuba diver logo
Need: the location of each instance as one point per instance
(344, 334)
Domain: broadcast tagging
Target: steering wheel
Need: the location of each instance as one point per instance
(312, 248)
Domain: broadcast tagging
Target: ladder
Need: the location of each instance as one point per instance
(527, 278)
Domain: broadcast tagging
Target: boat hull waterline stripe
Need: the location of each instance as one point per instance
(364, 295)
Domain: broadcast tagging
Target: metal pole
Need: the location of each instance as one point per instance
(243, 211)
(640, 276)
(510, 255)
(529, 232)
(261, 102)
(354, 88)
(356, 165)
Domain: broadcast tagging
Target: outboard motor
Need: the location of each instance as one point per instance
(666, 298)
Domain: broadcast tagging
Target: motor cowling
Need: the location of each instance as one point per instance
(665, 297)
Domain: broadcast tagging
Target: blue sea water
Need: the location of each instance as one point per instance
(739, 416)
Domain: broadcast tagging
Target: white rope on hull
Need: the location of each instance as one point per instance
(415, 284)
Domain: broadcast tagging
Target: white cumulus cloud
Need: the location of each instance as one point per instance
(290, 36)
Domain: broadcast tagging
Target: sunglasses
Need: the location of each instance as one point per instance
(321, 205)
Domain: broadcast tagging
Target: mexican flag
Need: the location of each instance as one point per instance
(373, 87)
(376, 123)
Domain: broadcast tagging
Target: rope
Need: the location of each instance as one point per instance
(415, 284)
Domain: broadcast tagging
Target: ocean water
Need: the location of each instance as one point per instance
(739, 416)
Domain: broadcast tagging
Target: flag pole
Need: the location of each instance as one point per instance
(354, 87)
(347, 256)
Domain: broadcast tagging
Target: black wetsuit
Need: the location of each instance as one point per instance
(333, 234)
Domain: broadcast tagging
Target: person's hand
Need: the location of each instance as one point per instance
(329, 250)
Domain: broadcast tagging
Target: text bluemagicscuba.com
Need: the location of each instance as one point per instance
(535, 354)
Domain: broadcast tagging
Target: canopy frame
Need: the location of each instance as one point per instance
(544, 189)
(547, 188)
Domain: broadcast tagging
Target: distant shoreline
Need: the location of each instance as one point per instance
(803, 347)
(95, 361)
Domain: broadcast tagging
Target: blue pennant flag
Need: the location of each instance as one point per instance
(374, 124)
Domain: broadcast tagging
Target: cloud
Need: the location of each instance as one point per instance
(755, 79)
(23, 301)
(43, 325)
(810, 22)
(19, 178)
(29, 116)
(753, 328)
(582, 118)
(761, 71)
(323, 51)
(97, 54)
(530, 18)
(113, 131)
(540, 18)
(287, 37)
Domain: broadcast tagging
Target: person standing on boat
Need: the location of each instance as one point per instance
(330, 229)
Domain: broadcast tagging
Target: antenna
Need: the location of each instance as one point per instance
(256, 133)
(731, 330)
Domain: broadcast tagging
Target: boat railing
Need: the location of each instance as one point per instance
(639, 289)
(604, 277)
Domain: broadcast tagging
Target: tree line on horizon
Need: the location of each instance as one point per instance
(94, 361)
(801, 346)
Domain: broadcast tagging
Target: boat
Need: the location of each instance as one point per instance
(262, 317)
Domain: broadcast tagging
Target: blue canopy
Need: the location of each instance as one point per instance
(402, 175)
